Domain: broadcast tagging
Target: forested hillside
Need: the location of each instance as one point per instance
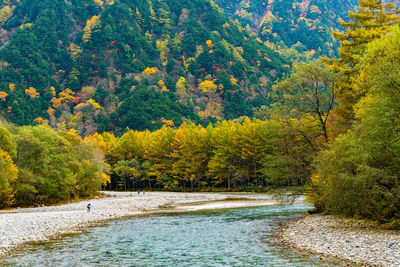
(105, 65)
(302, 24)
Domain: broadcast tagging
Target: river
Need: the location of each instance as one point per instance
(231, 237)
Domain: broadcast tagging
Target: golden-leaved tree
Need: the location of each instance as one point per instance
(90, 24)
(8, 175)
(8, 170)
(189, 155)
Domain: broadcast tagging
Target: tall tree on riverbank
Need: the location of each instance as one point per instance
(373, 19)
(358, 175)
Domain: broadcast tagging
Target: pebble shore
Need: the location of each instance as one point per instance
(344, 240)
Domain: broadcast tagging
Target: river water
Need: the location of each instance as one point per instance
(234, 237)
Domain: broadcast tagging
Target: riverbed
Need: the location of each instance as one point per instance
(228, 237)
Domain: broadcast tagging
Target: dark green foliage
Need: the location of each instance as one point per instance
(235, 107)
(144, 108)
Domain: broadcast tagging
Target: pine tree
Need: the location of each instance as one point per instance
(373, 19)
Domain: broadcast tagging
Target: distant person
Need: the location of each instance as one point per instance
(88, 207)
(143, 192)
(138, 192)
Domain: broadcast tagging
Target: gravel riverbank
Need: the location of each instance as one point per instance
(20, 226)
(344, 240)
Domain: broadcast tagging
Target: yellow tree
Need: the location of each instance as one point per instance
(220, 165)
(150, 71)
(32, 92)
(75, 51)
(90, 24)
(5, 14)
(210, 44)
(181, 85)
(128, 147)
(8, 175)
(208, 87)
(3, 96)
(105, 142)
(162, 47)
(158, 154)
(189, 155)
(100, 3)
(65, 99)
(181, 88)
(162, 86)
(8, 170)
(252, 148)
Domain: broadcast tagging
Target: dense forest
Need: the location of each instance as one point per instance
(292, 25)
(202, 95)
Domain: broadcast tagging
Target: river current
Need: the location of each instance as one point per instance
(232, 237)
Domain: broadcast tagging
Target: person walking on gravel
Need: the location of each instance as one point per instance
(88, 207)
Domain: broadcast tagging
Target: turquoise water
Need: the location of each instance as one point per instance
(235, 237)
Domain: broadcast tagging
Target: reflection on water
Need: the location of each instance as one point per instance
(236, 237)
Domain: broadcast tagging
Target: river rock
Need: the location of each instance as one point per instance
(352, 241)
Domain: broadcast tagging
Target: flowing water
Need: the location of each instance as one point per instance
(234, 237)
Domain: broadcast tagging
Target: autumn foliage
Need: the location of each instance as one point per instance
(228, 156)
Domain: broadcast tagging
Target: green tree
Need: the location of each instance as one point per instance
(220, 167)
(308, 90)
(373, 19)
(128, 172)
(7, 143)
(55, 166)
(359, 174)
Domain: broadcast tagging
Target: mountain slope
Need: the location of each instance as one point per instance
(303, 23)
(105, 64)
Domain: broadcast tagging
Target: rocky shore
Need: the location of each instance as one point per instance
(350, 241)
(20, 226)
